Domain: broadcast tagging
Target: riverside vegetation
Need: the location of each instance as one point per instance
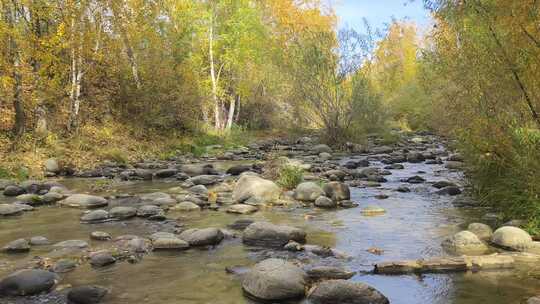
(235, 137)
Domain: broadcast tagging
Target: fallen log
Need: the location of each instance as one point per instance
(456, 264)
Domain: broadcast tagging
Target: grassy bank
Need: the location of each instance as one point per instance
(23, 157)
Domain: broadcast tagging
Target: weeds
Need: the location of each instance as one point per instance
(290, 176)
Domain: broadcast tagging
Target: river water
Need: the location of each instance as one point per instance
(413, 227)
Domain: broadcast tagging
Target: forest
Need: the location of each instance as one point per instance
(90, 81)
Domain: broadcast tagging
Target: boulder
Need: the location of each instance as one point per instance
(465, 243)
(39, 241)
(10, 209)
(13, 190)
(165, 173)
(95, 216)
(275, 280)
(149, 210)
(84, 201)
(415, 157)
(20, 245)
(100, 236)
(325, 202)
(240, 224)
(450, 190)
(101, 259)
(242, 209)
(150, 197)
(86, 294)
(28, 282)
(51, 165)
(71, 244)
(254, 187)
(270, 235)
(63, 266)
(308, 191)
(198, 169)
(167, 241)
(238, 169)
(341, 291)
(186, 207)
(329, 273)
(482, 231)
(122, 213)
(337, 191)
(202, 237)
(511, 238)
(199, 189)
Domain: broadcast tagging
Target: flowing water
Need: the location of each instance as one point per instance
(414, 225)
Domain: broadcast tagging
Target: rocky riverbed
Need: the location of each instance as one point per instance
(221, 230)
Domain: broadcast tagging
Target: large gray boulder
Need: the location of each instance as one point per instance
(308, 192)
(465, 243)
(345, 292)
(10, 209)
(51, 165)
(337, 191)
(270, 235)
(275, 280)
(482, 231)
(512, 238)
(28, 282)
(84, 201)
(202, 237)
(322, 148)
(254, 187)
(95, 216)
(86, 294)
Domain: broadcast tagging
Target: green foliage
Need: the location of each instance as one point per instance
(290, 176)
(5, 173)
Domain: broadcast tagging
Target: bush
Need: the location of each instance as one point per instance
(115, 155)
(290, 176)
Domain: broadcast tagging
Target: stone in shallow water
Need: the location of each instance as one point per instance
(100, 236)
(95, 216)
(275, 280)
(149, 210)
(465, 243)
(84, 201)
(202, 237)
(101, 259)
(482, 231)
(87, 294)
(20, 245)
(167, 241)
(512, 238)
(64, 265)
(329, 273)
(10, 209)
(186, 207)
(240, 224)
(71, 244)
(39, 241)
(341, 291)
(28, 282)
(242, 209)
(270, 235)
(123, 213)
(13, 190)
(308, 192)
(325, 202)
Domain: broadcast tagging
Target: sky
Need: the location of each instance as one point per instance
(379, 12)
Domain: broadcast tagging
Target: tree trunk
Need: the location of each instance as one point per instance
(217, 107)
(231, 113)
(76, 79)
(19, 127)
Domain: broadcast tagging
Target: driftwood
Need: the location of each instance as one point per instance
(456, 264)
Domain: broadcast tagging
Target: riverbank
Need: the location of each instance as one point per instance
(190, 229)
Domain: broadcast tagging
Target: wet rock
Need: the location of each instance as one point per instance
(10, 209)
(329, 273)
(443, 184)
(23, 207)
(382, 150)
(403, 189)
(450, 190)
(511, 238)
(482, 231)
(122, 213)
(275, 280)
(454, 165)
(165, 173)
(100, 236)
(373, 211)
(415, 157)
(240, 224)
(51, 197)
(270, 235)
(415, 180)
(337, 191)
(102, 259)
(242, 209)
(341, 291)
(164, 202)
(202, 237)
(238, 169)
(71, 244)
(84, 201)
(17, 246)
(199, 189)
(317, 149)
(63, 266)
(395, 166)
(13, 190)
(254, 187)
(28, 282)
(293, 246)
(325, 202)
(533, 300)
(465, 243)
(308, 192)
(95, 216)
(149, 210)
(325, 156)
(205, 180)
(29, 199)
(86, 294)
(168, 241)
(39, 241)
(186, 207)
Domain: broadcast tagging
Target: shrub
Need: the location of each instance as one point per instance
(290, 176)
(115, 155)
